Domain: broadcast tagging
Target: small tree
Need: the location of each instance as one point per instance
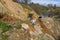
(15, 0)
(27, 1)
(54, 6)
(21, 1)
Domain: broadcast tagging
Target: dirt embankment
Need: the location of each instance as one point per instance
(14, 8)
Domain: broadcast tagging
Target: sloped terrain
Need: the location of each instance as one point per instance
(40, 9)
(16, 25)
(14, 8)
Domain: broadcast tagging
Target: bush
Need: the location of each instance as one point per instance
(5, 27)
(15, 1)
(4, 37)
(19, 27)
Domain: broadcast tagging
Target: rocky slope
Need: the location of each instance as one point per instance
(16, 25)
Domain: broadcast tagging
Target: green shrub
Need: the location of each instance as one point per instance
(5, 27)
(19, 27)
(4, 37)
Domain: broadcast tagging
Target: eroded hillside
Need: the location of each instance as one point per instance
(21, 22)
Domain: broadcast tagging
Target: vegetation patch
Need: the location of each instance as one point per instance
(4, 37)
(5, 27)
(19, 27)
(25, 6)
